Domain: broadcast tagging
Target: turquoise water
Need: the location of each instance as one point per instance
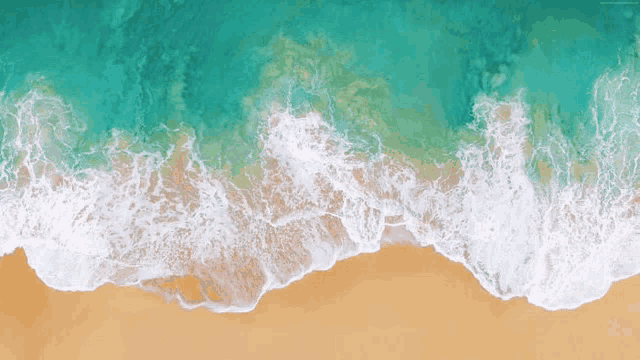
(229, 127)
(116, 64)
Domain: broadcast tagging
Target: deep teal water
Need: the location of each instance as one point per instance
(116, 62)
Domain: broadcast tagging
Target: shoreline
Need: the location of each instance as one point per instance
(400, 300)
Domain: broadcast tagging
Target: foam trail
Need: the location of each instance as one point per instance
(310, 201)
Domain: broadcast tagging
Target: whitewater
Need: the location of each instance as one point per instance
(310, 199)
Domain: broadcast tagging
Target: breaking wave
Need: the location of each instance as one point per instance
(525, 214)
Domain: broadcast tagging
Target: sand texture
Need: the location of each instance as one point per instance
(401, 303)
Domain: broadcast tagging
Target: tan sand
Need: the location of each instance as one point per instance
(401, 303)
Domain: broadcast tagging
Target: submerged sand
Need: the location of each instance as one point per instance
(400, 303)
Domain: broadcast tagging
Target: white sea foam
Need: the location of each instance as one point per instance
(310, 202)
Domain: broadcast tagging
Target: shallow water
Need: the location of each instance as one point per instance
(249, 144)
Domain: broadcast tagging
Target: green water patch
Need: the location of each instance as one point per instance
(316, 76)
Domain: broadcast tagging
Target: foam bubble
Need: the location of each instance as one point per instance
(310, 201)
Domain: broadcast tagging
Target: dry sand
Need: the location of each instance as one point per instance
(401, 303)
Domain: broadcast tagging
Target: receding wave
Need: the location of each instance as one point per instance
(525, 214)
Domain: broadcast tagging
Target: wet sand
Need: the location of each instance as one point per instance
(401, 303)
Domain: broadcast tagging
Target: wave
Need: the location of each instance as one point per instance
(521, 212)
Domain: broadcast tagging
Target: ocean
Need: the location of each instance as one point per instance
(247, 144)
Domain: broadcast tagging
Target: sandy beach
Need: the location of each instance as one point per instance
(400, 303)
(216, 151)
(403, 302)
